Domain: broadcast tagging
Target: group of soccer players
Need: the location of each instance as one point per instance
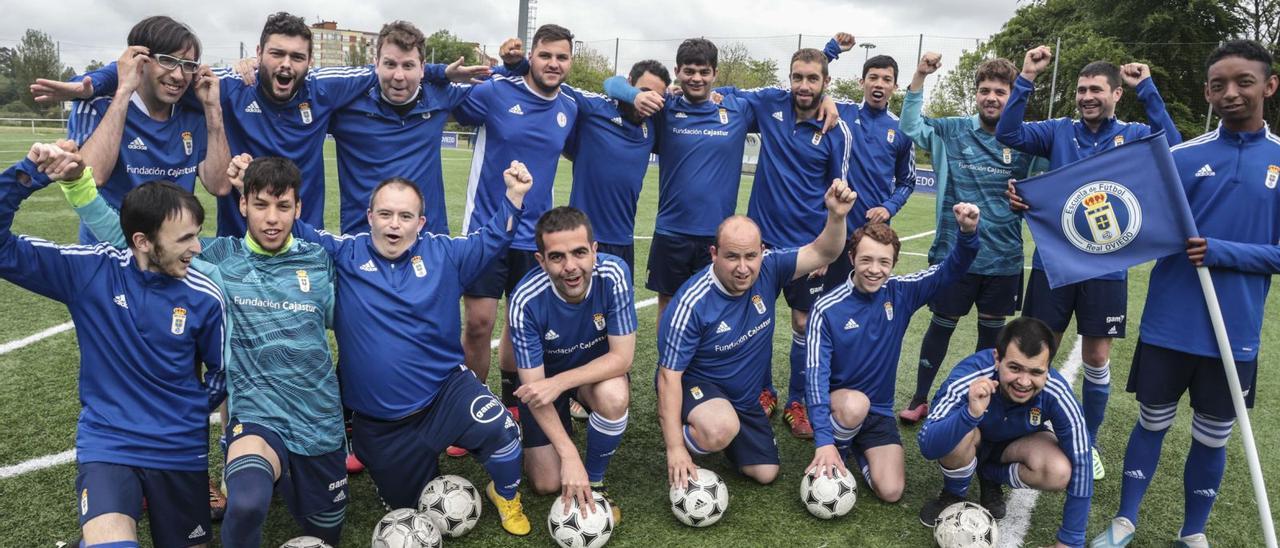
(170, 324)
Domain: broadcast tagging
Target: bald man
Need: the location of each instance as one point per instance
(715, 343)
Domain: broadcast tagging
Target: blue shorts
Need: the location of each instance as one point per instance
(674, 259)
(502, 275)
(1099, 305)
(802, 292)
(993, 295)
(877, 430)
(1161, 375)
(625, 252)
(992, 452)
(754, 444)
(403, 455)
(309, 484)
(532, 434)
(177, 500)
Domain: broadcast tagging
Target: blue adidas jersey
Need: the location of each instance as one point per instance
(149, 149)
(1063, 140)
(375, 143)
(397, 322)
(712, 336)
(610, 156)
(548, 331)
(1224, 175)
(873, 324)
(949, 421)
(971, 167)
(884, 174)
(142, 338)
(256, 124)
(796, 166)
(515, 123)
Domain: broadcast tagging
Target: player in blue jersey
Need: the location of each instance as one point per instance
(973, 167)
(573, 327)
(1100, 304)
(399, 339)
(993, 416)
(520, 118)
(850, 394)
(1233, 169)
(715, 343)
(144, 324)
(144, 133)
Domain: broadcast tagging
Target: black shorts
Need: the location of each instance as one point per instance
(674, 259)
(877, 430)
(993, 295)
(1161, 375)
(992, 452)
(177, 500)
(625, 252)
(502, 275)
(1099, 305)
(754, 443)
(309, 484)
(839, 270)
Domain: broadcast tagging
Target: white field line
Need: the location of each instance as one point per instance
(1013, 528)
(28, 340)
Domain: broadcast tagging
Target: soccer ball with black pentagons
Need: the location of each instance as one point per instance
(965, 525)
(406, 528)
(571, 530)
(827, 496)
(305, 542)
(704, 501)
(452, 503)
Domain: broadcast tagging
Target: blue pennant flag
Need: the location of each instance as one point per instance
(1108, 212)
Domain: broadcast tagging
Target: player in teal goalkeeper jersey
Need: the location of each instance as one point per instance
(973, 167)
(285, 428)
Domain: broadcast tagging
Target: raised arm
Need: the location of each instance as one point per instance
(1138, 76)
(37, 265)
(912, 121)
(838, 44)
(100, 142)
(1030, 137)
(217, 154)
(830, 243)
(918, 288)
(646, 102)
(474, 251)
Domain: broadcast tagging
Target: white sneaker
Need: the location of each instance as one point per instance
(1118, 533)
(1197, 540)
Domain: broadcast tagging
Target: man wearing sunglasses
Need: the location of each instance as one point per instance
(143, 133)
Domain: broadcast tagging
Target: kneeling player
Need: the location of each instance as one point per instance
(573, 325)
(715, 343)
(992, 417)
(850, 395)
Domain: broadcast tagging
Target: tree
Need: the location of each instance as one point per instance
(737, 68)
(1259, 20)
(36, 57)
(93, 65)
(590, 69)
(953, 95)
(358, 54)
(6, 62)
(444, 47)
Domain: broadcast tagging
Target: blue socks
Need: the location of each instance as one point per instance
(1203, 473)
(795, 389)
(250, 482)
(957, 481)
(503, 467)
(1005, 474)
(603, 438)
(691, 444)
(1143, 455)
(1097, 390)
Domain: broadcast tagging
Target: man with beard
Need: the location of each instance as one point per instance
(144, 133)
(972, 167)
(992, 417)
(1099, 304)
(573, 325)
(529, 119)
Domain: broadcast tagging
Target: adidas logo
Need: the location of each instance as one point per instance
(1112, 331)
(516, 110)
(1135, 474)
(1205, 171)
(196, 533)
(1210, 493)
(119, 300)
(251, 277)
(341, 497)
(551, 335)
(369, 266)
(723, 328)
(967, 150)
(616, 120)
(253, 108)
(137, 144)
(850, 324)
(777, 116)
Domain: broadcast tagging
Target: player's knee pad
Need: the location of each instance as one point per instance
(1157, 418)
(1210, 430)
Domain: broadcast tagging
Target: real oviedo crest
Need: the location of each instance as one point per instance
(1101, 217)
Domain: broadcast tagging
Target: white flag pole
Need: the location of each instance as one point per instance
(1237, 399)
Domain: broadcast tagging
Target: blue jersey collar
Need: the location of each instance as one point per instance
(1244, 137)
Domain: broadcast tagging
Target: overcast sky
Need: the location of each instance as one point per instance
(96, 30)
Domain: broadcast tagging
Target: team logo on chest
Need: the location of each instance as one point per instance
(758, 303)
(1119, 140)
(419, 268)
(1273, 174)
(187, 144)
(305, 109)
(178, 325)
(888, 310)
(1007, 155)
(1034, 417)
(1101, 217)
(817, 138)
(598, 319)
(561, 119)
(724, 116)
(890, 135)
(304, 283)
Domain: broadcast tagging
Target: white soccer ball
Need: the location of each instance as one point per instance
(305, 542)
(405, 528)
(703, 503)
(965, 525)
(827, 496)
(571, 530)
(452, 503)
